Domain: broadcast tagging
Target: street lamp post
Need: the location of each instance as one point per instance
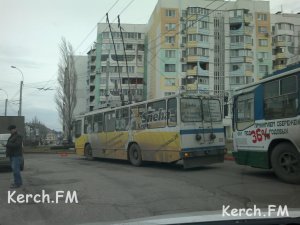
(21, 88)
(5, 110)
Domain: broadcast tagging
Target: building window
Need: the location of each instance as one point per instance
(130, 69)
(262, 16)
(170, 53)
(237, 39)
(169, 93)
(203, 25)
(170, 26)
(235, 13)
(170, 68)
(235, 67)
(263, 69)
(170, 39)
(170, 82)
(262, 29)
(170, 13)
(285, 26)
(198, 51)
(263, 42)
(263, 55)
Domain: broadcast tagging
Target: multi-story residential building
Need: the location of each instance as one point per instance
(109, 76)
(286, 39)
(207, 46)
(81, 70)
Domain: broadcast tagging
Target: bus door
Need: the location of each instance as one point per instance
(122, 127)
(109, 129)
(212, 126)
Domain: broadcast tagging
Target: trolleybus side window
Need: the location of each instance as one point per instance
(245, 111)
(172, 112)
(77, 127)
(122, 119)
(98, 122)
(156, 114)
(281, 98)
(191, 110)
(110, 121)
(138, 118)
(211, 110)
(88, 120)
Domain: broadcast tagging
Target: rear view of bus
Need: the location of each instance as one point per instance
(201, 131)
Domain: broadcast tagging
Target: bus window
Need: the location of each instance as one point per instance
(156, 114)
(172, 112)
(280, 98)
(77, 128)
(138, 117)
(211, 110)
(245, 111)
(88, 124)
(122, 119)
(110, 121)
(190, 109)
(98, 122)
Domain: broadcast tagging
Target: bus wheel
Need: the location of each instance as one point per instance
(135, 155)
(285, 161)
(88, 152)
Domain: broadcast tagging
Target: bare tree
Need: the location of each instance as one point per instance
(65, 97)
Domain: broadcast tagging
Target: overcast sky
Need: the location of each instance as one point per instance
(31, 31)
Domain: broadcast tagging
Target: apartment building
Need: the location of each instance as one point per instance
(81, 70)
(109, 75)
(286, 39)
(208, 46)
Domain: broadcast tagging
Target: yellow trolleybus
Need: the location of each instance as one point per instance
(169, 129)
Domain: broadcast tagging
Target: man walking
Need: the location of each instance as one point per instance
(14, 152)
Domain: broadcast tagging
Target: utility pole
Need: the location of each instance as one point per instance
(107, 78)
(20, 107)
(5, 112)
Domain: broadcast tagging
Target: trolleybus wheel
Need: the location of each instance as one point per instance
(88, 152)
(135, 155)
(285, 161)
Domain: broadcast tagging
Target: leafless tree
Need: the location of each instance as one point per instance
(65, 97)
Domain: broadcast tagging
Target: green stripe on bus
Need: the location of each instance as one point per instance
(252, 158)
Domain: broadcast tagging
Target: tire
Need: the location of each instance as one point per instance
(88, 153)
(135, 155)
(285, 160)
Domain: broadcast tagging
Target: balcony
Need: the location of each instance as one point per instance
(279, 67)
(192, 72)
(248, 18)
(192, 58)
(192, 30)
(281, 56)
(237, 19)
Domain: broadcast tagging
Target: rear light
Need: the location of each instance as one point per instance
(186, 155)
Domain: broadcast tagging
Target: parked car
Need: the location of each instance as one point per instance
(4, 161)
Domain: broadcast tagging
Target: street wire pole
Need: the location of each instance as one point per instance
(21, 88)
(107, 78)
(5, 111)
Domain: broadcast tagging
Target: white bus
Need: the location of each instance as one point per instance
(266, 124)
(169, 129)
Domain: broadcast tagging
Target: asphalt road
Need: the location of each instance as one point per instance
(110, 190)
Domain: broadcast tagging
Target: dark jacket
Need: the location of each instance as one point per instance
(14, 145)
